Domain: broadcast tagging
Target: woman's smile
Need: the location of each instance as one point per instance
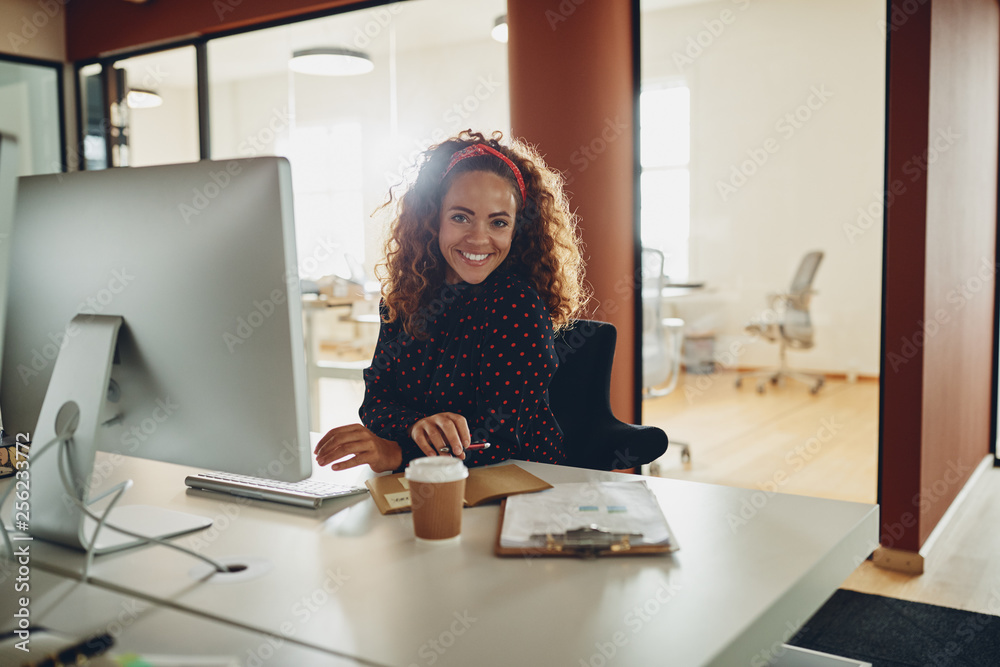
(476, 226)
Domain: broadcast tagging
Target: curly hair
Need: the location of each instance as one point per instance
(545, 249)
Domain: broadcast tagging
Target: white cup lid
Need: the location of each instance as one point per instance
(436, 469)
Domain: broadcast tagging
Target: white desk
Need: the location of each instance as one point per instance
(138, 626)
(347, 580)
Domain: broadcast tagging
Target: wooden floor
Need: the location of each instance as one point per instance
(826, 445)
(785, 440)
(793, 442)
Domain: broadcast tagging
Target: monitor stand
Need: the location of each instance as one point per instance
(71, 412)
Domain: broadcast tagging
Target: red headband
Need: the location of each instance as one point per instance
(483, 149)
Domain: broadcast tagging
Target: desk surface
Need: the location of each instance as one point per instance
(345, 579)
(138, 626)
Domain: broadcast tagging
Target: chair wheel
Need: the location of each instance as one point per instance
(739, 382)
(685, 454)
(761, 386)
(774, 380)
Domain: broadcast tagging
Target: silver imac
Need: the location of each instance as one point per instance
(8, 188)
(185, 276)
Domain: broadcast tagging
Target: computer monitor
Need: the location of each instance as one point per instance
(199, 262)
(8, 189)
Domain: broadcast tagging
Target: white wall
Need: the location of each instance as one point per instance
(251, 116)
(166, 134)
(749, 64)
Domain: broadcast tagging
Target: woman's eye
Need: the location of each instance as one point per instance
(500, 223)
(458, 217)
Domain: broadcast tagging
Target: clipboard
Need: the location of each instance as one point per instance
(574, 537)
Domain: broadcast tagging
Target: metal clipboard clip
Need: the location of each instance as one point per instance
(588, 542)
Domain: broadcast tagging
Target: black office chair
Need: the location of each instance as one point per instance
(580, 398)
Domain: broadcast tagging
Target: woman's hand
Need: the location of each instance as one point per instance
(440, 430)
(379, 453)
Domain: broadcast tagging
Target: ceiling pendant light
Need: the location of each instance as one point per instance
(499, 31)
(330, 61)
(140, 98)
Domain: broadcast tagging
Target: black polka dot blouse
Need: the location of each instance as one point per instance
(488, 356)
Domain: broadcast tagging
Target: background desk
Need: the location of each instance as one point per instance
(752, 568)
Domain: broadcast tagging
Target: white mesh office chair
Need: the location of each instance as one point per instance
(792, 328)
(662, 338)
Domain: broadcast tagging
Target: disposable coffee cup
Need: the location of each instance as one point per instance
(437, 494)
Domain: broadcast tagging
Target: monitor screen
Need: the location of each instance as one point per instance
(199, 260)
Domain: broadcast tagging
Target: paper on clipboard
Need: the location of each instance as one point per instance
(615, 507)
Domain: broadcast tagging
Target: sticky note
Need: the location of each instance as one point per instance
(397, 500)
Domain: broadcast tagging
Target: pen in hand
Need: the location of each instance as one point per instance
(474, 447)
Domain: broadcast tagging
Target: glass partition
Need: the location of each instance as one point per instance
(29, 109)
(157, 108)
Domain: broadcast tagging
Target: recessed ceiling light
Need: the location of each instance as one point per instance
(330, 62)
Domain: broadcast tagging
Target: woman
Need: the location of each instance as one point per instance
(482, 265)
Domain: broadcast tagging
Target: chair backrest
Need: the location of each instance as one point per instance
(580, 390)
(653, 281)
(796, 326)
(806, 273)
(656, 361)
(580, 400)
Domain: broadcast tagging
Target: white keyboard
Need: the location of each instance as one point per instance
(307, 493)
